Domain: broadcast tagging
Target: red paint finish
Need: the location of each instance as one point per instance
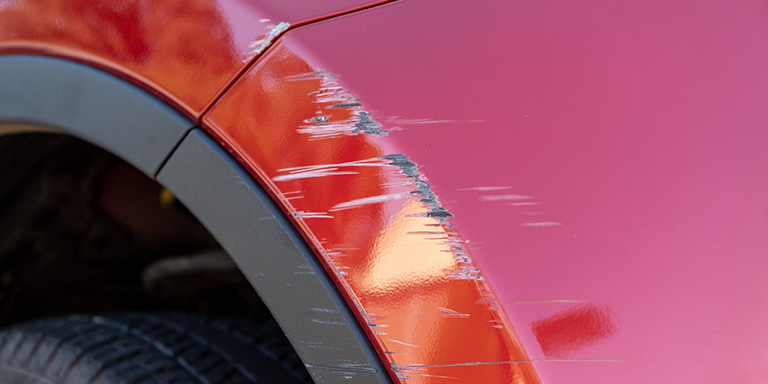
(602, 153)
(376, 225)
(185, 51)
(572, 330)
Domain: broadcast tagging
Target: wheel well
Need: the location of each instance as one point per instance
(84, 231)
(47, 94)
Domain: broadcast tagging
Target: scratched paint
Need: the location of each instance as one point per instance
(503, 195)
(313, 215)
(423, 189)
(338, 111)
(184, 51)
(383, 233)
(645, 140)
(264, 41)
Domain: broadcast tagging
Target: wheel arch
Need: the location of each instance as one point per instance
(51, 94)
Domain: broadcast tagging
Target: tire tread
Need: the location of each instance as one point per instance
(141, 349)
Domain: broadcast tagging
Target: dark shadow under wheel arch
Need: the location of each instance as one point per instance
(126, 120)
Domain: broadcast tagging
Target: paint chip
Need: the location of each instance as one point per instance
(266, 40)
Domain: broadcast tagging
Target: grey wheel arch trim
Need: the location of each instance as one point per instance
(90, 104)
(38, 93)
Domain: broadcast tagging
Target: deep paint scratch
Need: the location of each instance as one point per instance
(324, 170)
(339, 113)
(311, 174)
(513, 200)
(367, 125)
(403, 367)
(332, 96)
(424, 190)
(466, 270)
(358, 276)
(402, 121)
(542, 224)
(368, 200)
(485, 189)
(265, 41)
(445, 312)
(313, 215)
(403, 343)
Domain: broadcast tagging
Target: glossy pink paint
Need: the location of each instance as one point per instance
(593, 154)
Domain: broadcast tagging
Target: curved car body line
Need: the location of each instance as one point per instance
(53, 95)
(602, 165)
(277, 31)
(91, 104)
(275, 259)
(185, 52)
(382, 232)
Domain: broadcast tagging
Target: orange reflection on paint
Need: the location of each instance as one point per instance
(373, 220)
(165, 43)
(408, 255)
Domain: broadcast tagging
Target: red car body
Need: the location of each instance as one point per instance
(503, 192)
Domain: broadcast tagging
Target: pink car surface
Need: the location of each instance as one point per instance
(501, 192)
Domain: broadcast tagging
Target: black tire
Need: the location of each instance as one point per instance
(144, 349)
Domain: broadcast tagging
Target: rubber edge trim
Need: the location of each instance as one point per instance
(91, 104)
(276, 260)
